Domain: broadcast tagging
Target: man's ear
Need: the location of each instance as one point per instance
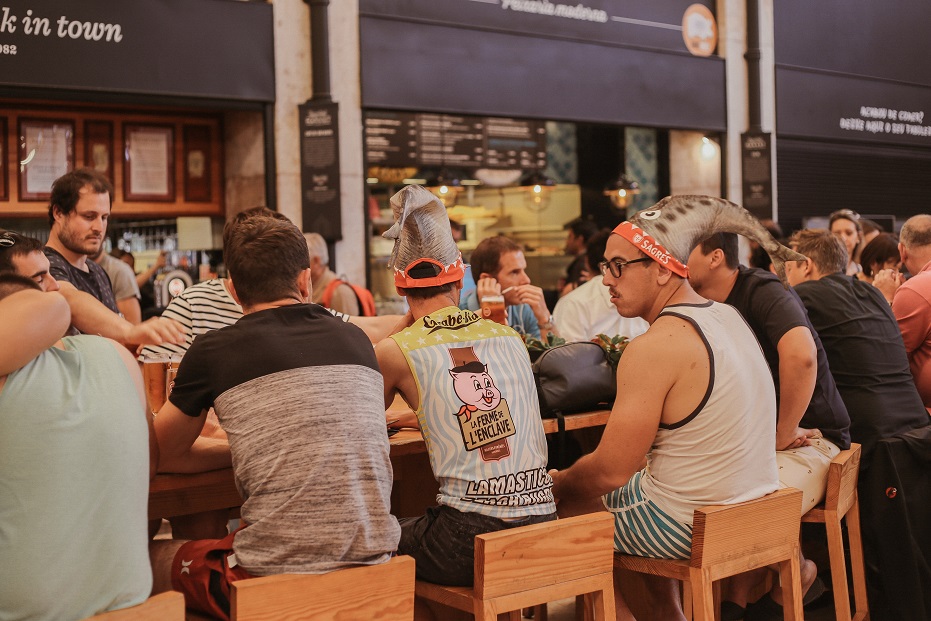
(717, 258)
(663, 275)
(304, 285)
(903, 253)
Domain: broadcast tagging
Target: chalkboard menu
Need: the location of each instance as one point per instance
(755, 151)
(407, 139)
(320, 169)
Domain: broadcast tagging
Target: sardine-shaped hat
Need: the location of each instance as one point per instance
(424, 253)
(669, 231)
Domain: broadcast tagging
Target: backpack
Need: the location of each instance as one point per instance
(366, 300)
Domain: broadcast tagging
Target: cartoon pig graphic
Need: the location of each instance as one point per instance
(475, 388)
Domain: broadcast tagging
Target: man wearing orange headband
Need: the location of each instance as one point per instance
(689, 402)
(470, 384)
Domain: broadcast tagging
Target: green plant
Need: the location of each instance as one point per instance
(613, 345)
(535, 347)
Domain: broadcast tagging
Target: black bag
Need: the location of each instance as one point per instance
(574, 377)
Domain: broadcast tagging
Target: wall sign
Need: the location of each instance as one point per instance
(756, 165)
(320, 173)
(401, 139)
(187, 48)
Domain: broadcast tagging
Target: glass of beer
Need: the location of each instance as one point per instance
(154, 370)
(493, 309)
(174, 361)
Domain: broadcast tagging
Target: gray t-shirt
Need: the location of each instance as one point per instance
(300, 396)
(121, 277)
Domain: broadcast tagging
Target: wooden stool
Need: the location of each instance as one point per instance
(167, 606)
(733, 539)
(384, 592)
(841, 501)
(528, 565)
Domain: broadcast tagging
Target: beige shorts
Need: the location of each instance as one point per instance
(806, 468)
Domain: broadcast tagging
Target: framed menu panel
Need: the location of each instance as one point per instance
(98, 147)
(148, 167)
(4, 190)
(197, 163)
(46, 152)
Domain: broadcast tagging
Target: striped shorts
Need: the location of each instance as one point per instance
(643, 529)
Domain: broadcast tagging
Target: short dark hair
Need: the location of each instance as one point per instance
(21, 247)
(880, 249)
(595, 249)
(486, 258)
(825, 250)
(264, 256)
(66, 190)
(582, 227)
(253, 212)
(14, 283)
(727, 243)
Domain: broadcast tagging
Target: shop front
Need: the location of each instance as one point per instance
(167, 98)
(533, 110)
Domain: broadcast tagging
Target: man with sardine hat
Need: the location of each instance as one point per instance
(469, 383)
(691, 397)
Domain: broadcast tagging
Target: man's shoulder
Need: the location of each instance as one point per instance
(56, 261)
(920, 283)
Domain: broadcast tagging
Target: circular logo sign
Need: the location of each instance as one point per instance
(699, 30)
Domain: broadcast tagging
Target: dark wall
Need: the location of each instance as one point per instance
(818, 178)
(478, 58)
(217, 49)
(854, 70)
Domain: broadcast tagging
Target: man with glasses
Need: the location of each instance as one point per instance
(78, 213)
(691, 403)
(587, 311)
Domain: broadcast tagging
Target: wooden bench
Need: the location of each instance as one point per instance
(733, 539)
(384, 592)
(521, 567)
(840, 502)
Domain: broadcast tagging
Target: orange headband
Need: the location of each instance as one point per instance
(650, 247)
(449, 273)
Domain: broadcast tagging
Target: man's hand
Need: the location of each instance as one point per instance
(533, 296)
(794, 438)
(487, 286)
(888, 282)
(155, 331)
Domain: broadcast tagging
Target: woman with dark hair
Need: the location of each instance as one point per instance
(845, 224)
(880, 254)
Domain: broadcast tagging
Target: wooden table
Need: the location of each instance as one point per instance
(415, 487)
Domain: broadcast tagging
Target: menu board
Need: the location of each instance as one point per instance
(405, 139)
(510, 143)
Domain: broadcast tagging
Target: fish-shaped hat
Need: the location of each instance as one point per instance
(669, 231)
(424, 253)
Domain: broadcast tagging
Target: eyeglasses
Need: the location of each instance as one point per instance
(7, 240)
(616, 266)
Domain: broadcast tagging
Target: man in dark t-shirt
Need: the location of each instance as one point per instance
(812, 424)
(862, 342)
(78, 212)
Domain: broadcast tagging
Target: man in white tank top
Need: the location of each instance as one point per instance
(688, 403)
